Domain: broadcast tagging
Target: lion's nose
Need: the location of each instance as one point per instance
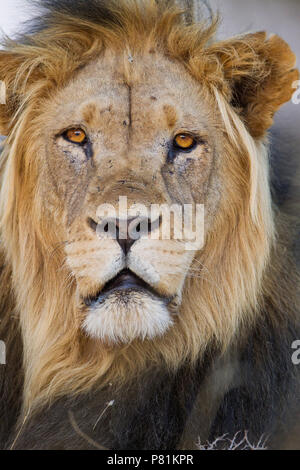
(126, 231)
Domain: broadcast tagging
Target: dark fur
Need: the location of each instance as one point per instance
(11, 375)
(255, 387)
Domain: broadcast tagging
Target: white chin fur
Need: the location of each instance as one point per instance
(123, 317)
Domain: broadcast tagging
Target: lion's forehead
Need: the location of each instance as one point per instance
(149, 92)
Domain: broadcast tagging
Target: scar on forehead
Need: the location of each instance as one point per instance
(91, 112)
(171, 115)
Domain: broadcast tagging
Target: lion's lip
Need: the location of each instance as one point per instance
(125, 281)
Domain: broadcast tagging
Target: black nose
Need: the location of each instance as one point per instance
(125, 235)
(130, 230)
(126, 231)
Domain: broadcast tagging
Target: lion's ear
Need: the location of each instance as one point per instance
(260, 73)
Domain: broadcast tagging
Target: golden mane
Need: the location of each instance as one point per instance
(216, 307)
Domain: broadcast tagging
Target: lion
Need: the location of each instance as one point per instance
(138, 342)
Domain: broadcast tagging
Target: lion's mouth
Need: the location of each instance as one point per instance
(125, 282)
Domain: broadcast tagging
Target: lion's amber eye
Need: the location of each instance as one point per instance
(77, 136)
(184, 141)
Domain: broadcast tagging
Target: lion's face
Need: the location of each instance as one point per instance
(128, 290)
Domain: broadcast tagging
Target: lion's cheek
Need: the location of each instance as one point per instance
(164, 264)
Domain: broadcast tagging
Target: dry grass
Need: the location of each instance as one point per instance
(240, 441)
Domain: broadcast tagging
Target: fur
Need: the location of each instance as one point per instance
(147, 318)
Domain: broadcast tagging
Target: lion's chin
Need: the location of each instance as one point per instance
(124, 316)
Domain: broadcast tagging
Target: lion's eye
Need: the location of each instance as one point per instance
(184, 141)
(77, 136)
